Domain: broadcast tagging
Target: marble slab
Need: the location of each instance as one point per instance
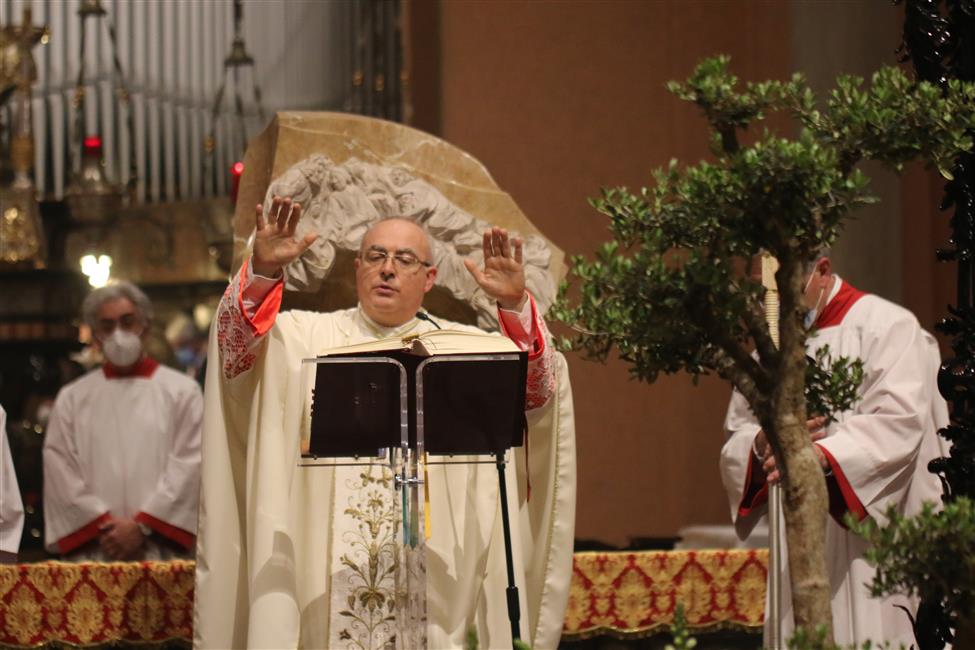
(350, 171)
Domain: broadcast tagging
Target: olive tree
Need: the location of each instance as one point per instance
(672, 293)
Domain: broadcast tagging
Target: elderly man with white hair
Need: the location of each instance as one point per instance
(122, 452)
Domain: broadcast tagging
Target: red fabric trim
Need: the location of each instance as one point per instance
(836, 310)
(178, 535)
(842, 497)
(268, 310)
(752, 497)
(537, 346)
(144, 367)
(83, 535)
(537, 342)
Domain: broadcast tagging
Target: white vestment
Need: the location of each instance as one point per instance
(293, 556)
(11, 507)
(123, 447)
(878, 452)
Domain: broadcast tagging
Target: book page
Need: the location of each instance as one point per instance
(379, 345)
(435, 342)
(440, 342)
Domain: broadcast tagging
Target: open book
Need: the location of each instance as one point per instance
(433, 343)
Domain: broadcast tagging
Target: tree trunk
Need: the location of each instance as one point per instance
(805, 502)
(805, 505)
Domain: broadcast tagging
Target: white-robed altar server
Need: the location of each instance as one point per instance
(294, 556)
(11, 506)
(874, 456)
(122, 450)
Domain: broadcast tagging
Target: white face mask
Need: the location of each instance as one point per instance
(813, 313)
(122, 348)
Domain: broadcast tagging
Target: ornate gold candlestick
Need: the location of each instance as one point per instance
(21, 231)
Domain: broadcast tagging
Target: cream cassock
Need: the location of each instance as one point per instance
(878, 452)
(123, 447)
(11, 507)
(294, 556)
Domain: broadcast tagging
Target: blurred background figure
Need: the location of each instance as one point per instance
(11, 507)
(188, 342)
(122, 452)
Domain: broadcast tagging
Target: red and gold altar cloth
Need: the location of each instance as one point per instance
(89, 604)
(635, 594)
(614, 593)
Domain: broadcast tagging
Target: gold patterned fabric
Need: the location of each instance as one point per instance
(364, 587)
(619, 594)
(89, 604)
(635, 594)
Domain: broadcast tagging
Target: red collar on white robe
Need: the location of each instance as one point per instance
(835, 311)
(143, 368)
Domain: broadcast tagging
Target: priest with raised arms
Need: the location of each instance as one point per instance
(293, 556)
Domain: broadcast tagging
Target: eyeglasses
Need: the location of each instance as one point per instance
(127, 322)
(403, 260)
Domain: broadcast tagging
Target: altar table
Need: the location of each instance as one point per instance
(620, 594)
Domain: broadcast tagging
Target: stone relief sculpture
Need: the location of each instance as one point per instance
(342, 200)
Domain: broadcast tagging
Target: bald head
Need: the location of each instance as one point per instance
(391, 291)
(403, 229)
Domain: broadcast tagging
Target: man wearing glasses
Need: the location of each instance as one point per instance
(122, 450)
(308, 553)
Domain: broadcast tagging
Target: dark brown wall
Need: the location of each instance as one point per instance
(928, 286)
(857, 38)
(558, 99)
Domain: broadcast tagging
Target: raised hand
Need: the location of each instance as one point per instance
(275, 245)
(503, 275)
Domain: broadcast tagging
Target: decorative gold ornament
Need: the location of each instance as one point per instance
(21, 234)
(17, 68)
(21, 231)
